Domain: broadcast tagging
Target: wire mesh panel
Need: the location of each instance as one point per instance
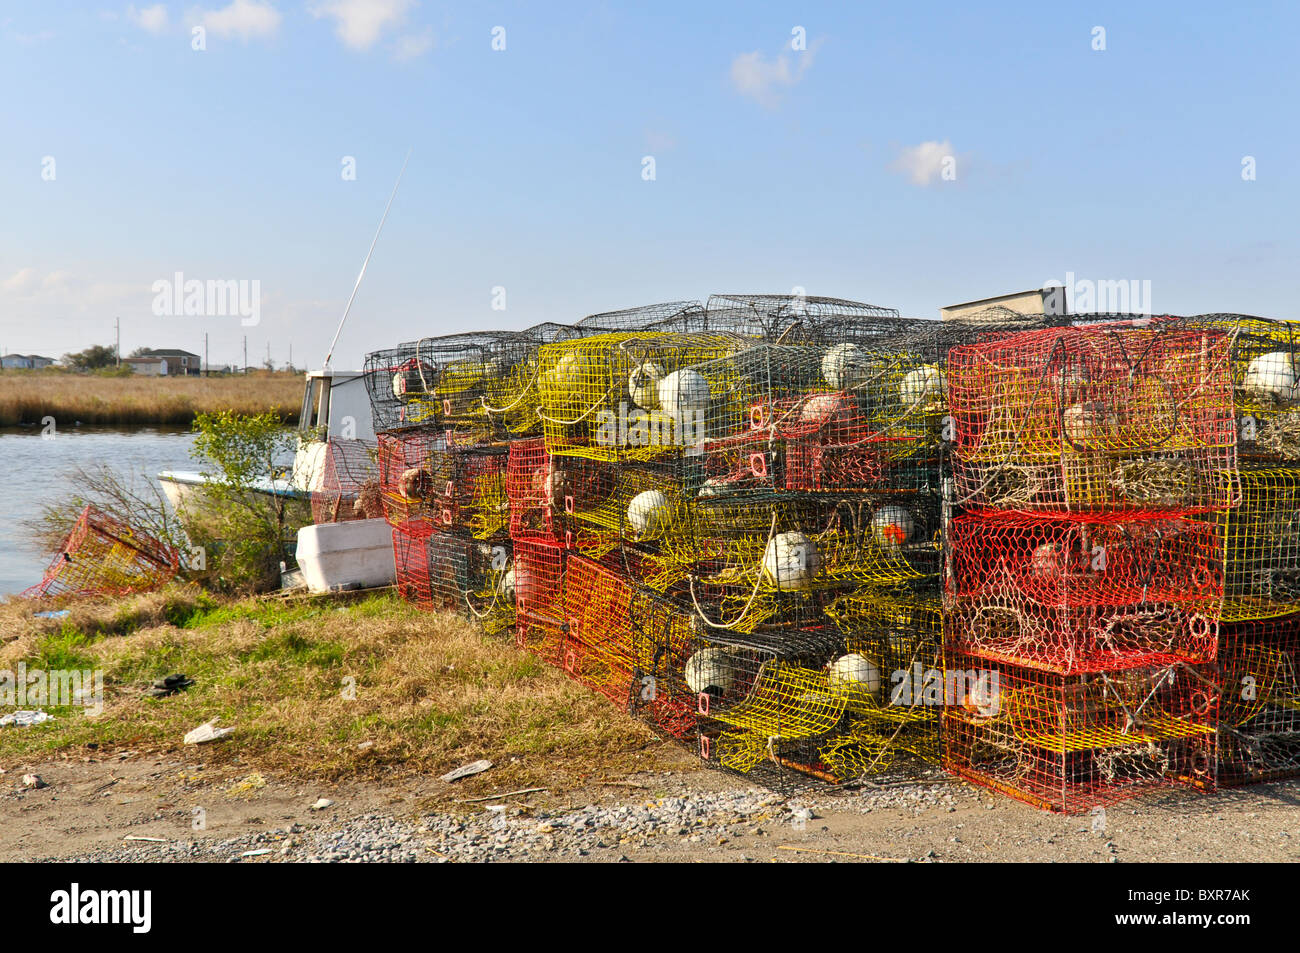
(429, 483)
(1095, 418)
(777, 317)
(1078, 639)
(105, 556)
(600, 651)
(535, 488)
(349, 487)
(1259, 717)
(1263, 544)
(411, 562)
(628, 396)
(1072, 743)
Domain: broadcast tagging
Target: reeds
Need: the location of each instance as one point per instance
(27, 397)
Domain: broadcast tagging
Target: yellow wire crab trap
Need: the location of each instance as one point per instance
(629, 396)
(1259, 718)
(1262, 538)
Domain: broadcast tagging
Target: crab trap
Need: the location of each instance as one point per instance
(1106, 559)
(1262, 537)
(443, 571)
(104, 556)
(779, 318)
(348, 487)
(429, 483)
(804, 419)
(1071, 743)
(540, 587)
(483, 385)
(630, 395)
(1259, 715)
(1264, 356)
(1095, 418)
(790, 705)
(800, 546)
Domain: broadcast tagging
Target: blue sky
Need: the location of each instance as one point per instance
(774, 167)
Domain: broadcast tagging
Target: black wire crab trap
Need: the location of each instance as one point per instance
(448, 382)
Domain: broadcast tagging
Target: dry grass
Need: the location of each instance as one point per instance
(431, 692)
(28, 396)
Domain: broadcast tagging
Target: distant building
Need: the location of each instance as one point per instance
(28, 362)
(148, 366)
(1025, 302)
(179, 363)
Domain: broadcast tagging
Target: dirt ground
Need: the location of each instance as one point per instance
(89, 809)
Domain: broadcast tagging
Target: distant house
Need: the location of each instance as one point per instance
(25, 362)
(1025, 302)
(148, 366)
(179, 363)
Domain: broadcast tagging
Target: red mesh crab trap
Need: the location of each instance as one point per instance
(592, 507)
(628, 645)
(600, 650)
(1107, 559)
(535, 491)
(1071, 743)
(1259, 715)
(1095, 418)
(539, 587)
(1078, 639)
(429, 483)
(1262, 536)
(411, 563)
(349, 483)
(105, 556)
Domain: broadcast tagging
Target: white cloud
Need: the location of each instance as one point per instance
(150, 19)
(413, 45)
(359, 23)
(763, 80)
(924, 164)
(21, 281)
(243, 18)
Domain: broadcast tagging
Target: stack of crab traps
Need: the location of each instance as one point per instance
(818, 542)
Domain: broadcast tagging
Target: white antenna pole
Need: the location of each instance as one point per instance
(373, 243)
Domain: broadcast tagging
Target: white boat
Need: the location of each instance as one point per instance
(354, 554)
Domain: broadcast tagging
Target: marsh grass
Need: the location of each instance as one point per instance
(26, 397)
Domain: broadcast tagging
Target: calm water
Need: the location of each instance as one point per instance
(33, 472)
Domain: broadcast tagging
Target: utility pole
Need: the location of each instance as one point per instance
(117, 347)
(207, 368)
(245, 353)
